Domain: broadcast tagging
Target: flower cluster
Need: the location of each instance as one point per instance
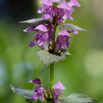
(43, 95)
(52, 9)
(56, 13)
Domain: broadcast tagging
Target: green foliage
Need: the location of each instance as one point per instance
(24, 93)
(49, 58)
(71, 27)
(77, 98)
(36, 21)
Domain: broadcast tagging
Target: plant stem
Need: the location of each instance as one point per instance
(51, 80)
(52, 66)
(51, 76)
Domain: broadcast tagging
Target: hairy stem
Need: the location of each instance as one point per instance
(52, 65)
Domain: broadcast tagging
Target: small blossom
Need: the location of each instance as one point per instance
(57, 90)
(62, 40)
(65, 10)
(41, 37)
(39, 90)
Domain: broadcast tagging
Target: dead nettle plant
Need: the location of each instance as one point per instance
(52, 49)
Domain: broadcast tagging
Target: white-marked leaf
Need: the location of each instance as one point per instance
(22, 92)
(71, 27)
(36, 21)
(77, 98)
(49, 58)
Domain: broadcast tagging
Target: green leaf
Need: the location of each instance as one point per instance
(30, 100)
(77, 98)
(49, 58)
(36, 21)
(24, 93)
(71, 27)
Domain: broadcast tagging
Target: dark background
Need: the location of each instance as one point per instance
(80, 73)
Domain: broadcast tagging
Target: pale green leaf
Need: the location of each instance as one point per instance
(71, 27)
(36, 21)
(22, 92)
(77, 98)
(49, 58)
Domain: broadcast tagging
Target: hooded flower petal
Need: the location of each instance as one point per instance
(57, 90)
(62, 40)
(30, 29)
(74, 3)
(59, 85)
(63, 5)
(36, 81)
(41, 27)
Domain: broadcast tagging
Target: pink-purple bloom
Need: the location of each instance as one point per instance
(38, 90)
(63, 10)
(57, 91)
(62, 40)
(41, 37)
(56, 13)
(43, 95)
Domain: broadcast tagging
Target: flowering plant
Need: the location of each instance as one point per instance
(52, 49)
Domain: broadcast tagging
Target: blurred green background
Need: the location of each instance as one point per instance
(80, 73)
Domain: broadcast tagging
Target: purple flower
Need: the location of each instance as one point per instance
(57, 90)
(63, 10)
(49, 9)
(30, 29)
(56, 13)
(41, 37)
(39, 90)
(62, 40)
